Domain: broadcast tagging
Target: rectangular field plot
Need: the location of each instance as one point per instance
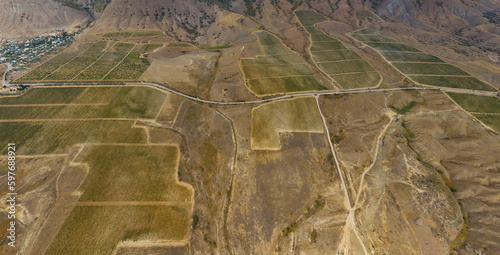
(131, 193)
(491, 120)
(266, 71)
(119, 173)
(358, 80)
(410, 57)
(323, 46)
(129, 102)
(35, 138)
(333, 58)
(334, 55)
(132, 67)
(45, 96)
(322, 38)
(348, 66)
(392, 47)
(429, 68)
(99, 229)
(284, 84)
(480, 104)
(453, 82)
(271, 119)
(280, 70)
(48, 67)
(102, 66)
(309, 17)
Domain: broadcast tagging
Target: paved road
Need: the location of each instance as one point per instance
(484, 93)
(4, 80)
(277, 98)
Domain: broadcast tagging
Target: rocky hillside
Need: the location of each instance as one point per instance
(31, 17)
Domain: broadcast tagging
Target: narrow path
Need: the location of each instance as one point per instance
(350, 221)
(4, 79)
(59, 68)
(131, 203)
(112, 69)
(41, 105)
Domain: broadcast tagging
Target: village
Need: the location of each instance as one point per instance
(21, 53)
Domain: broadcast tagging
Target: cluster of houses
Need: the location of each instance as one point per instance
(22, 53)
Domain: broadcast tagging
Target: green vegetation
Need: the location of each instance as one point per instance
(453, 82)
(405, 108)
(392, 47)
(348, 66)
(43, 137)
(491, 120)
(125, 173)
(335, 55)
(280, 70)
(345, 66)
(411, 57)
(431, 70)
(357, 80)
(180, 45)
(480, 104)
(218, 47)
(428, 68)
(295, 115)
(35, 138)
(50, 95)
(82, 233)
(94, 63)
(116, 168)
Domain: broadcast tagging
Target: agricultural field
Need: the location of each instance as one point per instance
(130, 192)
(97, 61)
(419, 66)
(74, 115)
(280, 70)
(271, 119)
(484, 108)
(344, 66)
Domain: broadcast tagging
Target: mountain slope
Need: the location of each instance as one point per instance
(30, 17)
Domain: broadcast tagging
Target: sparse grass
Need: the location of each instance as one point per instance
(372, 38)
(180, 45)
(365, 14)
(309, 17)
(296, 115)
(453, 82)
(473, 103)
(429, 68)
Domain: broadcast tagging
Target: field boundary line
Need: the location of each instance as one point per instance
(280, 77)
(485, 113)
(354, 72)
(81, 53)
(343, 60)
(62, 120)
(85, 69)
(41, 105)
(442, 75)
(131, 203)
(112, 69)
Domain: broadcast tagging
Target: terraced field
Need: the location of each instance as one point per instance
(280, 70)
(344, 66)
(94, 62)
(484, 108)
(419, 66)
(271, 119)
